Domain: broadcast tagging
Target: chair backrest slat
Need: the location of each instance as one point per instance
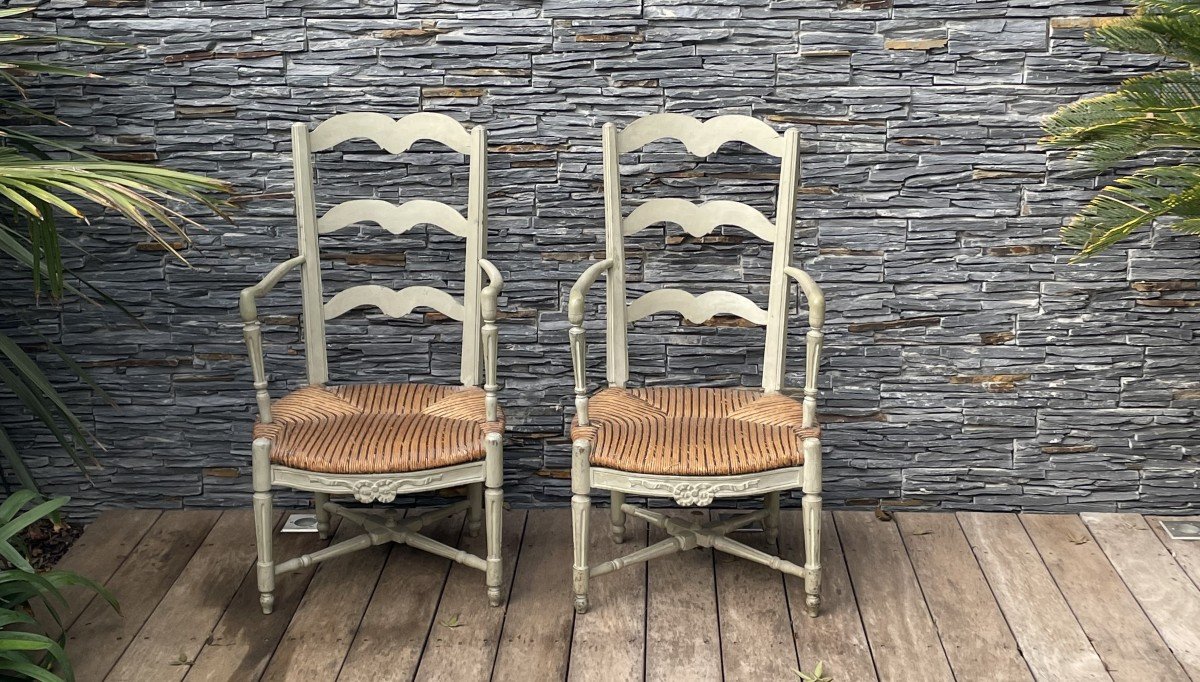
(396, 137)
(699, 220)
(391, 302)
(396, 219)
(701, 138)
(694, 308)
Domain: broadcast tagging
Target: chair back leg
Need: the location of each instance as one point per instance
(264, 517)
(319, 502)
(771, 520)
(475, 511)
(618, 517)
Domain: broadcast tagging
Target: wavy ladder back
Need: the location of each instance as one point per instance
(396, 137)
(702, 139)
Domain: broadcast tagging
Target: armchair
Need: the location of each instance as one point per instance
(376, 441)
(696, 445)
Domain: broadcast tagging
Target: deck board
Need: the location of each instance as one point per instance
(609, 641)
(1051, 638)
(973, 631)
(100, 634)
(394, 628)
(1168, 596)
(1186, 552)
(244, 640)
(180, 625)
(536, 640)
(1119, 630)
(909, 599)
(835, 638)
(98, 554)
(466, 630)
(316, 642)
(900, 630)
(683, 637)
(756, 626)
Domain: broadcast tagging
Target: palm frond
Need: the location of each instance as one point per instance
(1149, 113)
(1175, 35)
(1132, 202)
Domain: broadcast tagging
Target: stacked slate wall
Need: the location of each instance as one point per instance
(969, 365)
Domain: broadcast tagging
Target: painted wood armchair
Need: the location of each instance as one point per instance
(376, 441)
(697, 445)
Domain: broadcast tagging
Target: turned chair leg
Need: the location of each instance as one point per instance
(319, 501)
(618, 517)
(812, 526)
(475, 511)
(263, 523)
(494, 503)
(580, 515)
(771, 520)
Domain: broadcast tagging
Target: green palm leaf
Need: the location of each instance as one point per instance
(42, 179)
(1155, 114)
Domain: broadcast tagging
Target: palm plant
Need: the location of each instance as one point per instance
(41, 179)
(1152, 115)
(27, 649)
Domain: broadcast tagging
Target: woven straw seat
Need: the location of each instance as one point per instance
(693, 431)
(378, 428)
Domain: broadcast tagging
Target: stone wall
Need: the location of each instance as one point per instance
(968, 364)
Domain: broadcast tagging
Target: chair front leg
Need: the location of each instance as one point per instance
(263, 522)
(494, 510)
(581, 502)
(812, 526)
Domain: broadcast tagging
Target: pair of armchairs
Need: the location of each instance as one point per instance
(692, 445)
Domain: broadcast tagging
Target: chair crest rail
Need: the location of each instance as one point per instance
(393, 303)
(699, 220)
(395, 136)
(701, 138)
(396, 219)
(696, 309)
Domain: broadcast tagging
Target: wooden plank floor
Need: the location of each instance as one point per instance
(928, 596)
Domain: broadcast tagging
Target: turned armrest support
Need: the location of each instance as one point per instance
(488, 307)
(252, 330)
(814, 340)
(578, 342)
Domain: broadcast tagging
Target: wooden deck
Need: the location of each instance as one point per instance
(928, 596)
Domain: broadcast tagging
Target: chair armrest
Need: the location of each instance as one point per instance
(578, 342)
(252, 330)
(251, 294)
(579, 291)
(489, 294)
(812, 291)
(489, 332)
